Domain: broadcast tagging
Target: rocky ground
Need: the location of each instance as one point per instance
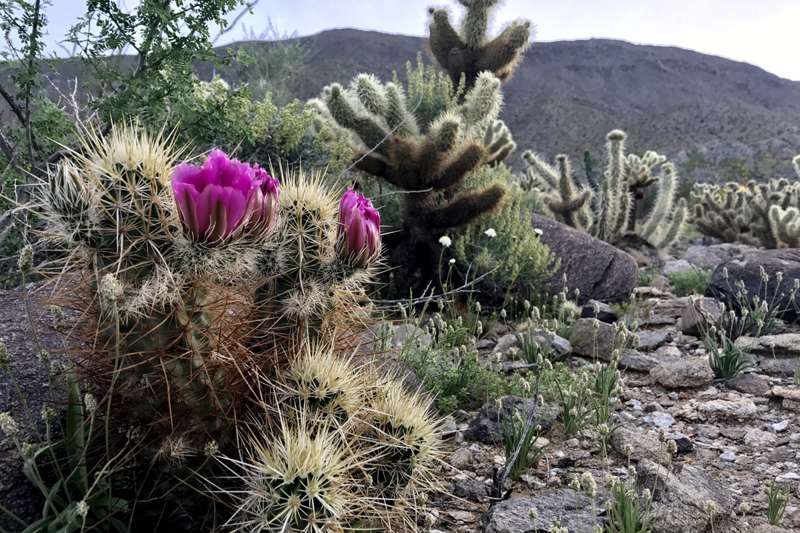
(732, 437)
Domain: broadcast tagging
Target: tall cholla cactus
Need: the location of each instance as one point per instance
(758, 214)
(470, 52)
(429, 161)
(613, 216)
(397, 138)
(184, 246)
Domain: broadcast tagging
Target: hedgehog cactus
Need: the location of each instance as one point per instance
(469, 52)
(381, 447)
(758, 214)
(191, 332)
(610, 211)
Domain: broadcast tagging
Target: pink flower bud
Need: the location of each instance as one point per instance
(359, 229)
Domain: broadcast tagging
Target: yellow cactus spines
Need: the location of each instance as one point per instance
(301, 479)
(320, 382)
(404, 443)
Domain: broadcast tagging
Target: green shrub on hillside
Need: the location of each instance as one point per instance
(215, 115)
(504, 244)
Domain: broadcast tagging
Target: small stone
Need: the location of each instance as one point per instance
(636, 360)
(728, 408)
(750, 383)
(728, 456)
(700, 315)
(599, 310)
(461, 458)
(660, 419)
(650, 339)
(780, 427)
(788, 476)
(592, 338)
(757, 438)
(686, 373)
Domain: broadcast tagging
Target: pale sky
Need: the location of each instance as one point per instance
(765, 33)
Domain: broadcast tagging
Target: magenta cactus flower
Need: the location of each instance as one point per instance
(359, 229)
(220, 196)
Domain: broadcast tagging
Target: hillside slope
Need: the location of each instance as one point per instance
(714, 116)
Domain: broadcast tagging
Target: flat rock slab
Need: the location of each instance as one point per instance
(679, 498)
(689, 372)
(573, 509)
(597, 269)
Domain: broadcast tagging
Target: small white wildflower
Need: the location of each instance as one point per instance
(211, 448)
(491, 233)
(710, 507)
(8, 425)
(503, 314)
(744, 508)
(82, 508)
(48, 413)
(589, 484)
(538, 232)
(445, 241)
(452, 261)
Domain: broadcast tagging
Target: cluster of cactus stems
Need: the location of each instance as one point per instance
(350, 450)
(214, 286)
(610, 210)
(428, 159)
(757, 214)
(470, 51)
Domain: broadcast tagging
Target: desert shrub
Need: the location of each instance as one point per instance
(504, 246)
(212, 114)
(692, 281)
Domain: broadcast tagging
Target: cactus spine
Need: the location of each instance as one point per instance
(610, 211)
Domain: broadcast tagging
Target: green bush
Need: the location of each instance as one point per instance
(503, 245)
(692, 281)
(213, 115)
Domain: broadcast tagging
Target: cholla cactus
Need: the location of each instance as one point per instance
(613, 216)
(470, 52)
(430, 162)
(427, 141)
(758, 214)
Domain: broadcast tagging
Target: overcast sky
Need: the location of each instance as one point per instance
(765, 33)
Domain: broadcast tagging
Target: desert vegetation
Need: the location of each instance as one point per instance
(233, 310)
